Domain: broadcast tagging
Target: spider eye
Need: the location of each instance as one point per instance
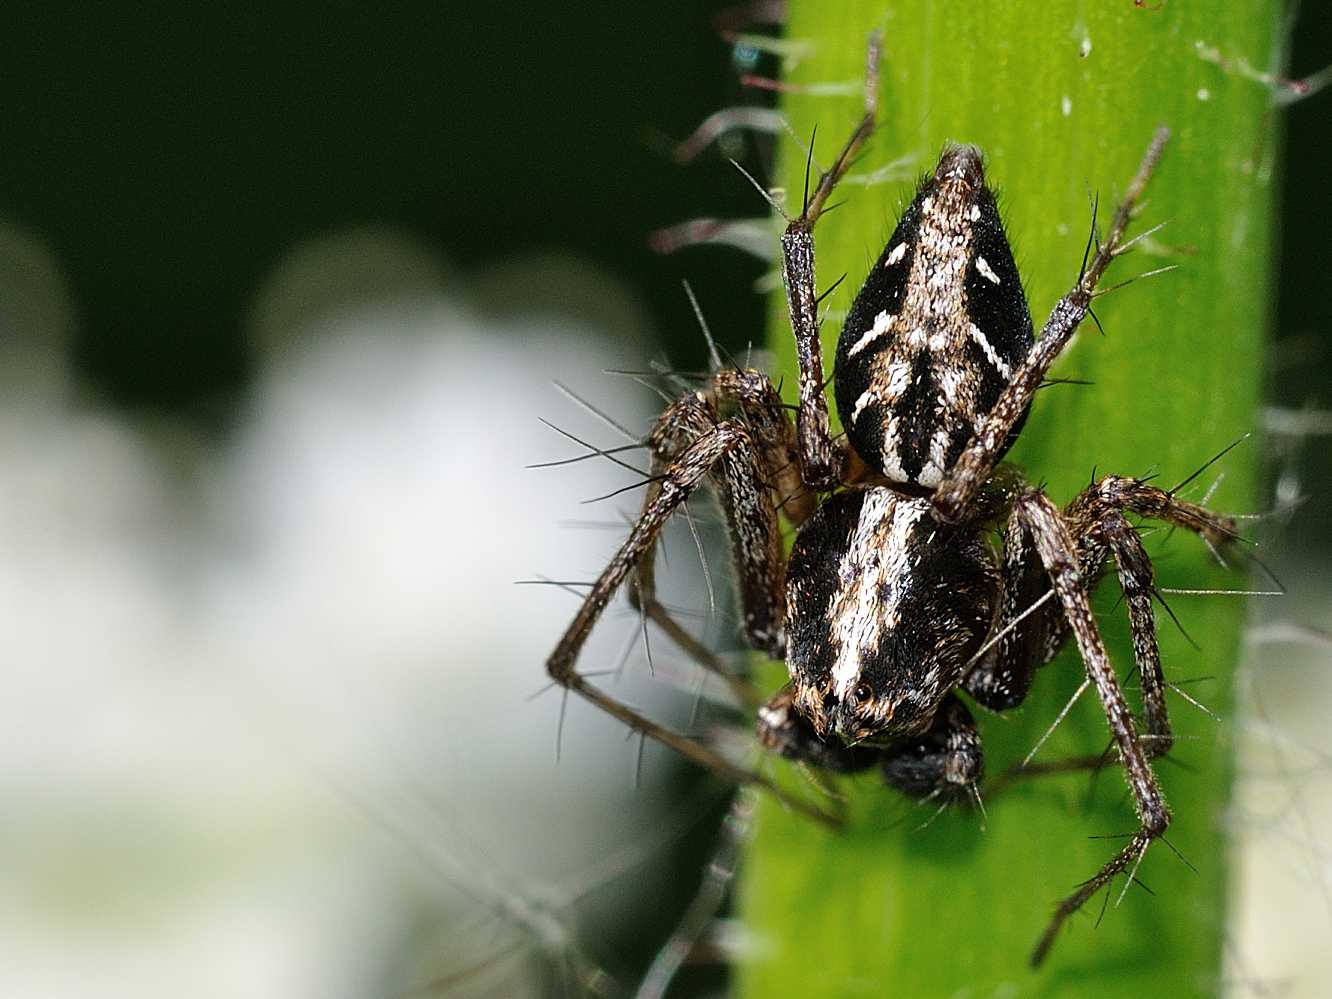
(862, 692)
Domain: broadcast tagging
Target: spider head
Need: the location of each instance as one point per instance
(861, 714)
(893, 692)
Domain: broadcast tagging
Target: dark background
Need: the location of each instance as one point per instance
(169, 156)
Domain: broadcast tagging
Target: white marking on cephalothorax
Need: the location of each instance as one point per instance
(883, 322)
(877, 567)
(895, 257)
(1000, 365)
(975, 213)
(866, 398)
(986, 270)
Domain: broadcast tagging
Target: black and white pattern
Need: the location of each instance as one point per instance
(893, 598)
(937, 330)
(884, 608)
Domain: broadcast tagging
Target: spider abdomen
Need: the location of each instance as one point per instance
(936, 331)
(885, 606)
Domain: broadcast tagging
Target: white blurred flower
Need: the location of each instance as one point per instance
(252, 746)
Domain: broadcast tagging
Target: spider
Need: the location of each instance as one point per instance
(894, 597)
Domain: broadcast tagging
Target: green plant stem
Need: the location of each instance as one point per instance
(1063, 99)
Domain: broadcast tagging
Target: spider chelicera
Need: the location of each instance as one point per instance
(894, 597)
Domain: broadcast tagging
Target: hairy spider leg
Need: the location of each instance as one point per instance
(707, 902)
(1035, 513)
(693, 443)
(1072, 546)
(751, 495)
(1030, 638)
(821, 465)
(1097, 518)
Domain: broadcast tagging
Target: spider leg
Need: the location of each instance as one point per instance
(1035, 513)
(952, 497)
(945, 761)
(1097, 518)
(1130, 495)
(691, 444)
(707, 902)
(746, 485)
(817, 453)
(1137, 581)
(1034, 627)
(1030, 632)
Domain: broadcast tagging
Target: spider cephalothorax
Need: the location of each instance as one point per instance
(897, 599)
(884, 608)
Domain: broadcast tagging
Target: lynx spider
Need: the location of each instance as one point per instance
(893, 598)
